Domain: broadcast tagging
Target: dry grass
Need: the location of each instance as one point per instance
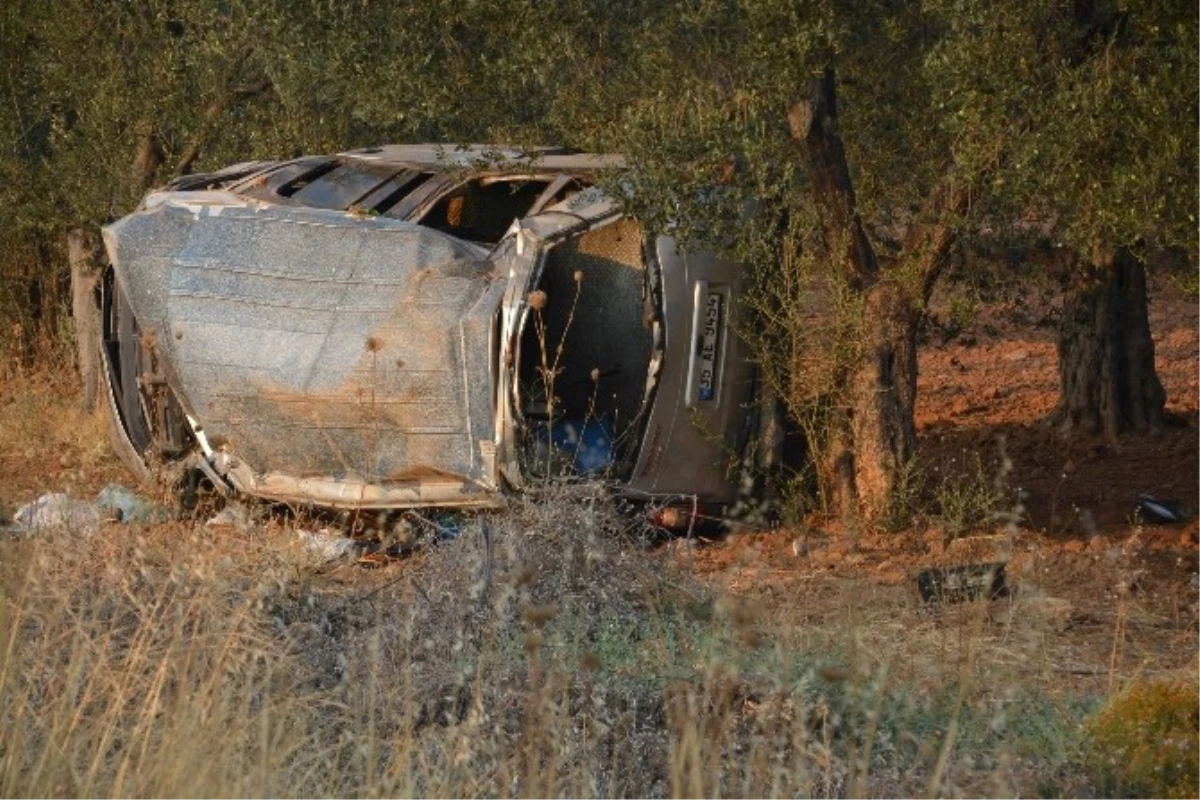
(173, 660)
(47, 441)
(548, 650)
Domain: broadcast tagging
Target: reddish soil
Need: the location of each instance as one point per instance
(988, 389)
(1092, 599)
(991, 389)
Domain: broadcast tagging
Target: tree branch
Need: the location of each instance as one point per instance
(931, 235)
(231, 93)
(813, 125)
(149, 156)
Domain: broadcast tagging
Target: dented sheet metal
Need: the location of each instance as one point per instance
(331, 357)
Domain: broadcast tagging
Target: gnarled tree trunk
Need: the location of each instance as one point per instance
(83, 254)
(1107, 381)
(873, 435)
(881, 422)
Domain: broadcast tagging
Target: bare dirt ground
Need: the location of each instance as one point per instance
(994, 385)
(1111, 596)
(987, 389)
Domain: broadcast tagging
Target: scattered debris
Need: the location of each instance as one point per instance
(439, 526)
(1161, 512)
(233, 515)
(326, 544)
(121, 504)
(956, 584)
(115, 503)
(56, 510)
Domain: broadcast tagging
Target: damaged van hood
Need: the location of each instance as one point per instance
(321, 356)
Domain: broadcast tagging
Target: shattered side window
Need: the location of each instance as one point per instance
(482, 210)
(342, 185)
(222, 179)
(278, 185)
(557, 191)
(336, 183)
(383, 198)
(305, 178)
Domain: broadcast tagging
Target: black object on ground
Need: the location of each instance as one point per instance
(956, 584)
(1160, 512)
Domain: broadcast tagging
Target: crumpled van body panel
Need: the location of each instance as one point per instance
(378, 330)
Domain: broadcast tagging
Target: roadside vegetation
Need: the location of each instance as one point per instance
(552, 649)
(907, 163)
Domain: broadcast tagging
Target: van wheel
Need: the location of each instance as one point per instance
(145, 422)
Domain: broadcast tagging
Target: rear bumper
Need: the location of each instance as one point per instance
(426, 491)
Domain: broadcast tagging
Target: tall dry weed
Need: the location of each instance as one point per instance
(545, 651)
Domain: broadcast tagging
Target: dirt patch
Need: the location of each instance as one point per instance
(48, 443)
(1077, 620)
(990, 389)
(1093, 593)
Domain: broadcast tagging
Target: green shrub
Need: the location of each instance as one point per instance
(968, 499)
(1144, 742)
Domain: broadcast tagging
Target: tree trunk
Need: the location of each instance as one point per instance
(1107, 381)
(813, 124)
(881, 422)
(83, 254)
(148, 157)
(875, 436)
(871, 436)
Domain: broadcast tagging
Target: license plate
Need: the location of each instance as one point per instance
(709, 345)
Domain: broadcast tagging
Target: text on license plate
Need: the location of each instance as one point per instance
(709, 345)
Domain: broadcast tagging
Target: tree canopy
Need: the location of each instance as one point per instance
(1093, 112)
(1083, 111)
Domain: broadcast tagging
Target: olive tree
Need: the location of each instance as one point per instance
(119, 97)
(818, 116)
(104, 100)
(1098, 102)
